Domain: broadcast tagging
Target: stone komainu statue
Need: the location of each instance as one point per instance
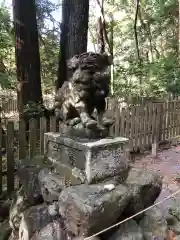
(86, 91)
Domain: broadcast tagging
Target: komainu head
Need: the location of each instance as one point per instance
(94, 62)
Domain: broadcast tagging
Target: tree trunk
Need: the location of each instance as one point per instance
(62, 70)
(27, 53)
(179, 31)
(112, 50)
(75, 15)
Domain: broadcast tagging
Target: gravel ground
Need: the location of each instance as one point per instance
(167, 164)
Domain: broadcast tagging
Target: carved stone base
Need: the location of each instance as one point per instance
(88, 160)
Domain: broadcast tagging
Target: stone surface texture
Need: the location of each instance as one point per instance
(5, 230)
(51, 184)
(96, 159)
(19, 204)
(128, 231)
(85, 207)
(34, 220)
(154, 224)
(28, 177)
(52, 231)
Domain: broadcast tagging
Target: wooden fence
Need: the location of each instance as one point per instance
(143, 125)
(146, 124)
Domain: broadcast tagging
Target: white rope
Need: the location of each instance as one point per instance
(125, 220)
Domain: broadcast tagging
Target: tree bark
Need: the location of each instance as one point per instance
(75, 15)
(62, 69)
(179, 30)
(27, 53)
(112, 50)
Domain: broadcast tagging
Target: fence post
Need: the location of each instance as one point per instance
(117, 121)
(113, 109)
(43, 127)
(156, 129)
(132, 122)
(52, 124)
(137, 127)
(1, 158)
(32, 137)
(22, 139)
(10, 157)
(159, 121)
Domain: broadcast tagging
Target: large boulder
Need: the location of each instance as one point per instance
(173, 223)
(5, 230)
(28, 177)
(144, 187)
(51, 184)
(173, 215)
(35, 219)
(174, 209)
(87, 209)
(4, 209)
(52, 231)
(19, 204)
(128, 231)
(154, 224)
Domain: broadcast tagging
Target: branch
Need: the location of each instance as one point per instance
(104, 26)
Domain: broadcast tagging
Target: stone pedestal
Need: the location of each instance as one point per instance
(84, 160)
(89, 188)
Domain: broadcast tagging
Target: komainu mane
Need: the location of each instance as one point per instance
(86, 91)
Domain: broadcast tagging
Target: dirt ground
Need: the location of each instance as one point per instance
(167, 164)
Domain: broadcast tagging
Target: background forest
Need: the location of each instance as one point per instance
(143, 37)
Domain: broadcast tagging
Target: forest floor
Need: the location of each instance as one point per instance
(167, 164)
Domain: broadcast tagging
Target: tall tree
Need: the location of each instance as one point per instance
(27, 53)
(74, 30)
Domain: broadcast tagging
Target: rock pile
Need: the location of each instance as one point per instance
(50, 206)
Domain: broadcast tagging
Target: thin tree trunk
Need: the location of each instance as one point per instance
(136, 37)
(100, 36)
(135, 31)
(147, 31)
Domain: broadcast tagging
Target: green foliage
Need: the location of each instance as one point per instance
(32, 109)
(49, 53)
(7, 58)
(156, 73)
(49, 43)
